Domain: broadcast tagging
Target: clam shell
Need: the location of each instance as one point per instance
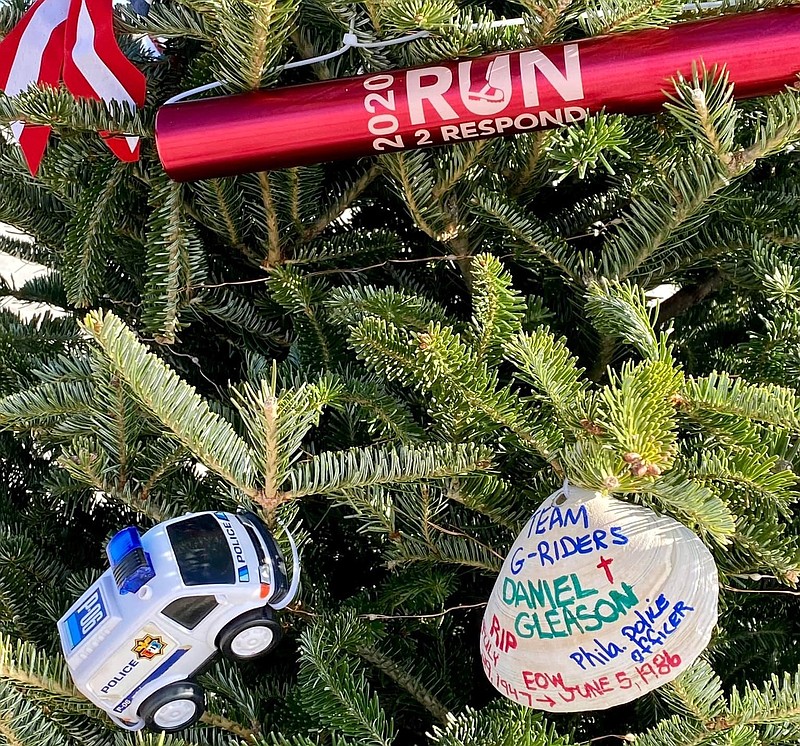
(599, 601)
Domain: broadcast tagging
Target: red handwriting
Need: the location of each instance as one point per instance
(605, 564)
(550, 688)
(503, 638)
(495, 640)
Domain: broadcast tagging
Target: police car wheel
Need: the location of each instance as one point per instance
(250, 636)
(174, 707)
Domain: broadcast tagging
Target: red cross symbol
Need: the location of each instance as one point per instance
(604, 563)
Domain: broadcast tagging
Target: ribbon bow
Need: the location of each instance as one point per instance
(73, 41)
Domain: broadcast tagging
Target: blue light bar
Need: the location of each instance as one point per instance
(130, 564)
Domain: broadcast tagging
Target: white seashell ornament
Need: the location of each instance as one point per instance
(599, 601)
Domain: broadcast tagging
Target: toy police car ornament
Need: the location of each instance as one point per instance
(171, 600)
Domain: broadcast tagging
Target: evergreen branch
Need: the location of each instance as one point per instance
(7, 732)
(278, 739)
(415, 183)
(147, 738)
(386, 413)
(264, 36)
(535, 144)
(587, 149)
(755, 472)
(175, 260)
(432, 544)
(45, 401)
(548, 365)
(695, 505)
(220, 207)
(215, 720)
(59, 108)
(168, 21)
(762, 542)
(608, 17)
(620, 310)
(336, 692)
(497, 308)
(176, 404)
(777, 703)
(697, 692)
(636, 414)
(349, 305)
(26, 575)
(720, 393)
(119, 415)
(237, 313)
(10, 15)
(35, 211)
(374, 507)
(404, 679)
(163, 465)
(440, 364)
(303, 298)
(500, 723)
(250, 37)
(705, 108)
(350, 195)
(782, 127)
(532, 237)
(272, 477)
(31, 718)
(675, 202)
(678, 199)
(26, 667)
(504, 409)
(22, 247)
(340, 246)
(274, 256)
(334, 471)
(675, 730)
(276, 423)
(294, 202)
(89, 464)
(87, 245)
(488, 495)
(461, 158)
(47, 288)
(384, 346)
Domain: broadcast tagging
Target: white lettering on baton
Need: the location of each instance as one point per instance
(568, 85)
(429, 84)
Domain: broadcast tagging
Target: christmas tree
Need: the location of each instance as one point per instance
(398, 358)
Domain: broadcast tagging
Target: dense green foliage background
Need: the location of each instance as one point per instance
(401, 357)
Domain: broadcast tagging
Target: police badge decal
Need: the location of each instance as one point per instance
(149, 647)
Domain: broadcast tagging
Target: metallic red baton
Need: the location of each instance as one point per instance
(455, 101)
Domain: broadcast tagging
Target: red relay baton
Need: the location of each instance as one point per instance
(460, 100)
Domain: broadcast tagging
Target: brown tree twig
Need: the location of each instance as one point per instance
(381, 617)
(690, 296)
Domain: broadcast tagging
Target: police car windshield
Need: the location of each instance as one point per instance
(202, 551)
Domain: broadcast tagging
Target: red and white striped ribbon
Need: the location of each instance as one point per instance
(73, 41)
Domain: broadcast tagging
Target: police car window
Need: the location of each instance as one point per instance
(202, 551)
(191, 610)
(256, 543)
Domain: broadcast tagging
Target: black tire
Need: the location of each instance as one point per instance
(233, 643)
(156, 712)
